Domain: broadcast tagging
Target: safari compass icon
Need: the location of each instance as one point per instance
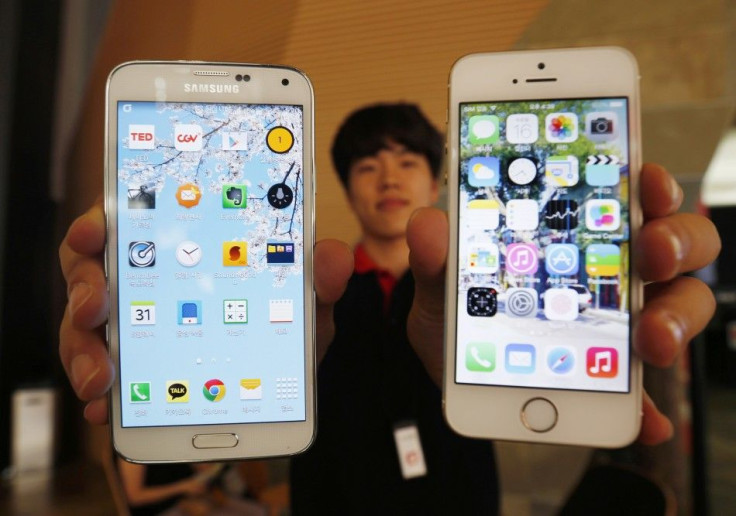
(281, 195)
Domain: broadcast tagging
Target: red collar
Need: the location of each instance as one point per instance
(364, 264)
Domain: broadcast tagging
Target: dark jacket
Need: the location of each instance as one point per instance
(370, 380)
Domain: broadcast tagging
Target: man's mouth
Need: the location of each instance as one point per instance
(392, 204)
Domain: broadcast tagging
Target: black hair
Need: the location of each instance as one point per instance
(371, 129)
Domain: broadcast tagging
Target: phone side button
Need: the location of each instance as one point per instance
(539, 415)
(205, 441)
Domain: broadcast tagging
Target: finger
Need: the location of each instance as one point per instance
(87, 290)
(676, 244)
(655, 427)
(96, 411)
(673, 314)
(85, 237)
(660, 194)
(85, 360)
(333, 265)
(427, 236)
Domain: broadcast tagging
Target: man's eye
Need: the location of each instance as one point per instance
(365, 167)
(409, 163)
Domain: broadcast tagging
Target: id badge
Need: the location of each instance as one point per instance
(409, 449)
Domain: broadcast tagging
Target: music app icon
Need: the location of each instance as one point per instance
(522, 258)
(602, 362)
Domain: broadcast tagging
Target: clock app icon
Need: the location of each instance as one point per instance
(522, 171)
(280, 195)
(188, 253)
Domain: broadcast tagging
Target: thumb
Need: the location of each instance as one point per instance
(427, 236)
(333, 265)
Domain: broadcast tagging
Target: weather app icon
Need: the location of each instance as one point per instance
(483, 171)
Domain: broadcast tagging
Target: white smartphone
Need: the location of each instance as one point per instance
(210, 221)
(544, 157)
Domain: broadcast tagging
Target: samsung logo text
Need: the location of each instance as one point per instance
(211, 88)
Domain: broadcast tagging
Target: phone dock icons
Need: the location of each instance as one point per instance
(140, 392)
(480, 357)
(287, 388)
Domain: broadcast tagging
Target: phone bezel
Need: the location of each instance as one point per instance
(163, 81)
(585, 417)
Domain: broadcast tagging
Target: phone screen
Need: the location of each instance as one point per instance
(210, 258)
(544, 244)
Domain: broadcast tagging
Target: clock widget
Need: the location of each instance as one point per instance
(188, 253)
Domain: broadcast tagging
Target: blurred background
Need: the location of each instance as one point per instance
(54, 59)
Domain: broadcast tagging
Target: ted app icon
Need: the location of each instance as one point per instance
(141, 136)
(602, 362)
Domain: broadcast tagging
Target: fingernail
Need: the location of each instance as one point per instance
(675, 328)
(80, 293)
(84, 370)
(677, 192)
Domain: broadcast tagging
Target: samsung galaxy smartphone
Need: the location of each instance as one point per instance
(210, 217)
(543, 165)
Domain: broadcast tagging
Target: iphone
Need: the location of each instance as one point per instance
(544, 158)
(210, 228)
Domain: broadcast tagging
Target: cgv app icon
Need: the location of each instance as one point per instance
(188, 137)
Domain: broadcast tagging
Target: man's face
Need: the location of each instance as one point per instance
(386, 188)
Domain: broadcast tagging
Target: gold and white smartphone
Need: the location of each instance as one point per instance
(544, 158)
(210, 220)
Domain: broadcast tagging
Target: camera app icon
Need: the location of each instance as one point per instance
(601, 126)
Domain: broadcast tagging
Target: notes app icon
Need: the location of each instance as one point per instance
(251, 389)
(483, 214)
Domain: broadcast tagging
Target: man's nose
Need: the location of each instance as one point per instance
(389, 172)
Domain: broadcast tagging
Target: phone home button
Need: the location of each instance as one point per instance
(205, 441)
(539, 415)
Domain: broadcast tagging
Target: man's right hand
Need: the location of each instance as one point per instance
(82, 334)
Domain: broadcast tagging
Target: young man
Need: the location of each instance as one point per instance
(371, 382)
